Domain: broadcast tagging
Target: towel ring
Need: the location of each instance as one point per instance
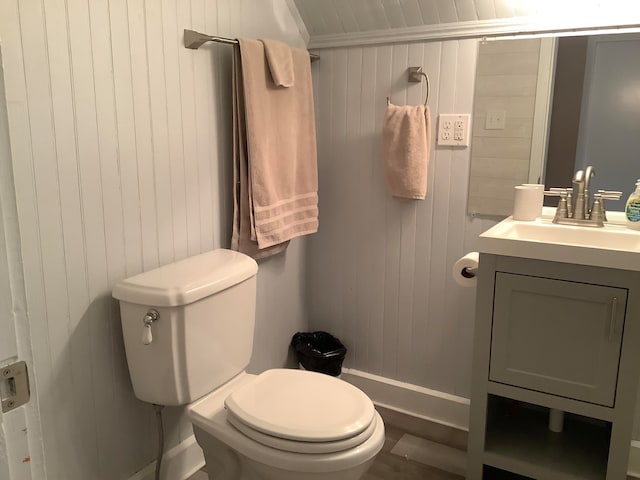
(415, 75)
(426, 99)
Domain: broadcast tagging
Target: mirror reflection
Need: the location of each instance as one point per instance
(547, 107)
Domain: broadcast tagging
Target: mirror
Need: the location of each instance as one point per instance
(545, 107)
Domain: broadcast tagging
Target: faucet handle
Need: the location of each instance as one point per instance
(557, 192)
(610, 194)
(597, 211)
(562, 210)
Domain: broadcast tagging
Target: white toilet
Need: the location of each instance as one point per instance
(188, 332)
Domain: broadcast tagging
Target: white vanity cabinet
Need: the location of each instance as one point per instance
(552, 335)
(557, 336)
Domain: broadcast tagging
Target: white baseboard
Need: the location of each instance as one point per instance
(433, 405)
(178, 463)
(183, 460)
(421, 402)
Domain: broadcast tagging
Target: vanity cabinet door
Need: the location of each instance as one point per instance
(557, 337)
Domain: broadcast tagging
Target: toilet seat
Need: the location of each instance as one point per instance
(301, 406)
(210, 417)
(297, 446)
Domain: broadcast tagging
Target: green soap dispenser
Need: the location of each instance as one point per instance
(632, 209)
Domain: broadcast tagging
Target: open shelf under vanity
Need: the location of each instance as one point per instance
(518, 440)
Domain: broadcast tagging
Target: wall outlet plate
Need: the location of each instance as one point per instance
(453, 129)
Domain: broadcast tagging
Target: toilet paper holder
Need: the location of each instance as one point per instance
(469, 272)
(465, 270)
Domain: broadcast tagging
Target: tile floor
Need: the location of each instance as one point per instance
(390, 466)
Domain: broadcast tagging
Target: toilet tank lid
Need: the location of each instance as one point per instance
(188, 280)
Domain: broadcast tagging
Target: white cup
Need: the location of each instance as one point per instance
(539, 187)
(527, 205)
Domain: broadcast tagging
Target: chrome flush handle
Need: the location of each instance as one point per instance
(149, 318)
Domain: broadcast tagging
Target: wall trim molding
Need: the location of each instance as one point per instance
(433, 405)
(421, 402)
(476, 29)
(178, 463)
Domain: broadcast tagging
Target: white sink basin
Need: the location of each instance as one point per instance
(614, 246)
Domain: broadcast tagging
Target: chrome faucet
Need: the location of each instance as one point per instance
(579, 210)
(588, 173)
(582, 179)
(576, 211)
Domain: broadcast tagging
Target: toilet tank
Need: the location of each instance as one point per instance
(204, 332)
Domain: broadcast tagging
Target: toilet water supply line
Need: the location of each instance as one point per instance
(147, 338)
(152, 316)
(158, 410)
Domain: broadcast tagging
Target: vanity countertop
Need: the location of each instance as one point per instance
(613, 246)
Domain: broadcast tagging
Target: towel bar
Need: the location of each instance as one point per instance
(195, 40)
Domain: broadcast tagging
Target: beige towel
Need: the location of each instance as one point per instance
(280, 62)
(241, 239)
(274, 154)
(406, 136)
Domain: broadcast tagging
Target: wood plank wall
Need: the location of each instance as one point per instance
(380, 268)
(507, 76)
(121, 155)
(108, 113)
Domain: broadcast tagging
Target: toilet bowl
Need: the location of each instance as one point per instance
(234, 453)
(188, 332)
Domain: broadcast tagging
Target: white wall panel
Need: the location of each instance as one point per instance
(485, 9)
(332, 23)
(366, 17)
(412, 14)
(394, 12)
(429, 11)
(467, 10)
(380, 268)
(447, 11)
(121, 157)
(507, 75)
(345, 13)
(504, 9)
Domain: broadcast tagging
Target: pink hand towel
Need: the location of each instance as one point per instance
(406, 136)
(280, 62)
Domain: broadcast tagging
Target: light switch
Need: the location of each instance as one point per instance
(495, 120)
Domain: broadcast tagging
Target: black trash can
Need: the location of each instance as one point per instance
(319, 352)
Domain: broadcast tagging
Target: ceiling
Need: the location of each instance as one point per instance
(333, 22)
(330, 17)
